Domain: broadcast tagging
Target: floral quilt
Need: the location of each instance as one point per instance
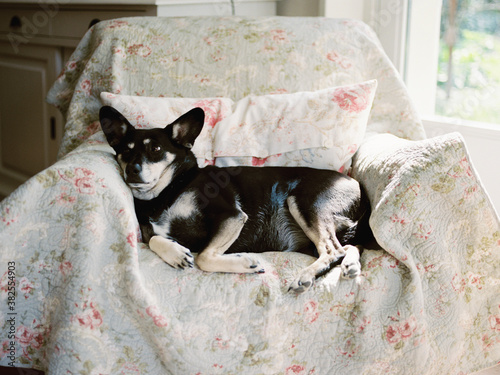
(79, 292)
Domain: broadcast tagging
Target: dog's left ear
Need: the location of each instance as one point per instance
(114, 125)
(188, 127)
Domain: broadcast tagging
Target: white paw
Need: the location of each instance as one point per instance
(233, 263)
(350, 266)
(302, 283)
(243, 263)
(171, 252)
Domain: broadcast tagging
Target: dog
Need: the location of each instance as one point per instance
(225, 214)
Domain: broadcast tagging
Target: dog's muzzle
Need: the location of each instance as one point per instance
(133, 173)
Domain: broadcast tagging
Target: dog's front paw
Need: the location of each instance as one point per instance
(180, 259)
(350, 266)
(302, 283)
(171, 252)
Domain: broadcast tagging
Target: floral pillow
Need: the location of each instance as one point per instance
(320, 129)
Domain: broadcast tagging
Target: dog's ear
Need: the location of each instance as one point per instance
(186, 128)
(114, 125)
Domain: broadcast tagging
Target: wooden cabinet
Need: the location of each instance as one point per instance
(30, 129)
(36, 37)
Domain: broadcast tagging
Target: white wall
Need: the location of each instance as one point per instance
(345, 9)
(324, 8)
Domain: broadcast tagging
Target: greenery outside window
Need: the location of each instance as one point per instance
(468, 80)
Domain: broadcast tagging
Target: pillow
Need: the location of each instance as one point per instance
(320, 129)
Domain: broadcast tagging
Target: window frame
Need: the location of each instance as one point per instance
(420, 71)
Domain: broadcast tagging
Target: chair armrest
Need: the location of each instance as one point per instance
(424, 195)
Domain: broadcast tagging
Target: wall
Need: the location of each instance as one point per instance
(309, 8)
(326, 8)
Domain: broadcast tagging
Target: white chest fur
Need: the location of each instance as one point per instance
(184, 207)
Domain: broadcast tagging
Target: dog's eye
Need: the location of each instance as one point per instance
(156, 148)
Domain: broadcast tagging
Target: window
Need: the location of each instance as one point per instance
(452, 60)
(468, 79)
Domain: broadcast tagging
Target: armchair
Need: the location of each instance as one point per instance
(91, 298)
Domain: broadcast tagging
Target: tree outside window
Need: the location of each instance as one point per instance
(469, 60)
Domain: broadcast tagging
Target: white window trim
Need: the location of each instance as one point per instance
(422, 53)
(439, 125)
(419, 48)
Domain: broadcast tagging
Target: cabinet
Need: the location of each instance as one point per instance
(36, 37)
(30, 129)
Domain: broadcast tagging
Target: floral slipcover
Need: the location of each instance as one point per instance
(79, 294)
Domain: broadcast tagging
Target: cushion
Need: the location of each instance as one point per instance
(319, 129)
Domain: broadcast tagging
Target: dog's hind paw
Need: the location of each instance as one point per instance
(233, 263)
(350, 266)
(301, 284)
(245, 263)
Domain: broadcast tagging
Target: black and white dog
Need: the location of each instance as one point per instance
(223, 214)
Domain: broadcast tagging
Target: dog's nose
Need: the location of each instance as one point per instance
(134, 169)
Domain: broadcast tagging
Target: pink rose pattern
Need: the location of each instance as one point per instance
(83, 180)
(65, 268)
(86, 87)
(89, 314)
(352, 100)
(91, 319)
(295, 370)
(339, 59)
(311, 312)
(158, 319)
(398, 333)
(494, 321)
(139, 50)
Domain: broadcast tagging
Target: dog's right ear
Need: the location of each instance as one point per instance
(114, 125)
(186, 128)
